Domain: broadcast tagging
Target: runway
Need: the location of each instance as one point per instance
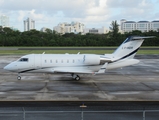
(134, 83)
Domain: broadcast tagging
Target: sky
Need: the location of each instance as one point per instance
(93, 13)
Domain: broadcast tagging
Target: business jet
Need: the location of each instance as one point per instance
(77, 64)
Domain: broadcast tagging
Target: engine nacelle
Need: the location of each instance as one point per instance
(91, 59)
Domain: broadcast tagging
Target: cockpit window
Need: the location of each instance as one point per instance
(24, 60)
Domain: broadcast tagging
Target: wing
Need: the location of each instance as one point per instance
(72, 70)
(86, 70)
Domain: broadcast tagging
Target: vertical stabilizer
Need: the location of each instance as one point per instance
(129, 48)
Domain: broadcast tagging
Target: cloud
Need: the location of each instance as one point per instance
(1, 2)
(21, 15)
(48, 13)
(97, 9)
(69, 8)
(132, 10)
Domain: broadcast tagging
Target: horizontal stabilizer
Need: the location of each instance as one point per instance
(140, 37)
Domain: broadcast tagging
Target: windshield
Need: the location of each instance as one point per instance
(24, 60)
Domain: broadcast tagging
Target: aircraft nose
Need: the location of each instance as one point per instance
(7, 67)
(11, 67)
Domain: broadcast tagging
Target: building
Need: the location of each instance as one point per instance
(29, 24)
(74, 27)
(4, 21)
(43, 29)
(102, 30)
(143, 26)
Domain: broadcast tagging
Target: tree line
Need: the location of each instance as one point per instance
(9, 37)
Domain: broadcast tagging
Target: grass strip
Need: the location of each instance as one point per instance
(23, 52)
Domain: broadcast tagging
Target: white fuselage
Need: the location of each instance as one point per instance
(64, 63)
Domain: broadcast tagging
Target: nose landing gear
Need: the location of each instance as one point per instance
(19, 77)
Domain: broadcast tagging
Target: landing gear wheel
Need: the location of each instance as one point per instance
(19, 77)
(77, 78)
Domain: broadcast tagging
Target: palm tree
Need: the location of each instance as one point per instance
(114, 27)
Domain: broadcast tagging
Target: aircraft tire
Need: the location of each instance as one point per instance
(77, 78)
(19, 77)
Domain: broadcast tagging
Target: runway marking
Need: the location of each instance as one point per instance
(125, 93)
(146, 85)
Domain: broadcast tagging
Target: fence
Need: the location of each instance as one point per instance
(79, 115)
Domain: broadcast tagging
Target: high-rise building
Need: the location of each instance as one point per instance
(29, 24)
(74, 27)
(143, 26)
(4, 21)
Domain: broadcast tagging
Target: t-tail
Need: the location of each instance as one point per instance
(129, 48)
(124, 54)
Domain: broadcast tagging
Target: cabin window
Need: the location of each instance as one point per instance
(50, 61)
(45, 61)
(61, 61)
(67, 61)
(24, 60)
(73, 61)
(56, 61)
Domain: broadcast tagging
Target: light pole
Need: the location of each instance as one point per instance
(82, 106)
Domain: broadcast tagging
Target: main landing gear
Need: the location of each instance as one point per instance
(76, 77)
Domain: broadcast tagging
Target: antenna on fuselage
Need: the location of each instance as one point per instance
(43, 53)
(78, 53)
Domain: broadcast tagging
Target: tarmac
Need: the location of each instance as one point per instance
(134, 83)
